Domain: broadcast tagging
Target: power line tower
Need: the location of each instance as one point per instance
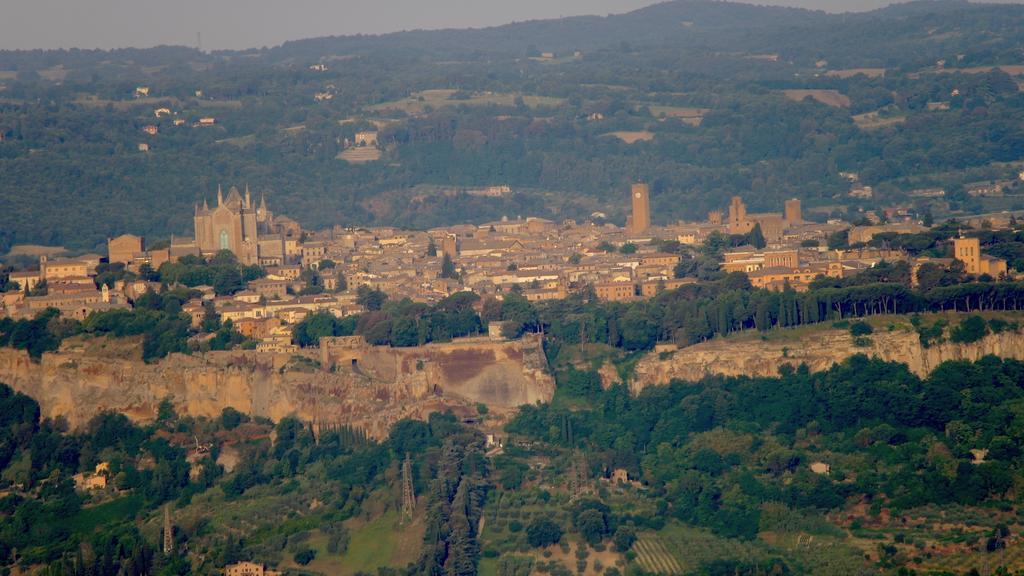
(168, 532)
(578, 479)
(408, 496)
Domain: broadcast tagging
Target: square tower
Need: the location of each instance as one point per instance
(641, 220)
(793, 213)
(968, 251)
(738, 222)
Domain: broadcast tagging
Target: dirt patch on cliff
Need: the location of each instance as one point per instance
(463, 365)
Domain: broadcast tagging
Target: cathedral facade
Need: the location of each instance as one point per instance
(237, 225)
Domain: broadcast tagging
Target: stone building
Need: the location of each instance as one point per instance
(248, 569)
(615, 291)
(238, 225)
(773, 225)
(968, 251)
(63, 268)
(125, 249)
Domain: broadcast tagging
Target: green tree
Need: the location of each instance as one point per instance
(165, 413)
(639, 329)
(369, 298)
(542, 532)
(756, 237)
(971, 329)
(592, 526)
(624, 538)
(448, 268)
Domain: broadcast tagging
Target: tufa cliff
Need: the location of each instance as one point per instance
(819, 351)
(382, 387)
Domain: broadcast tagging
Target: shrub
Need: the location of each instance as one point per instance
(861, 329)
(972, 329)
(304, 556)
(931, 334)
(998, 325)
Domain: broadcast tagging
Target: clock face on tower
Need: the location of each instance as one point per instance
(638, 194)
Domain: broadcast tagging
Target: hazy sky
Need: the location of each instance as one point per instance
(255, 23)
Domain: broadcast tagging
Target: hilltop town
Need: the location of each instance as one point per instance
(704, 288)
(294, 272)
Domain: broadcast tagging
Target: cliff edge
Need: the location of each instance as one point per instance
(389, 385)
(819, 350)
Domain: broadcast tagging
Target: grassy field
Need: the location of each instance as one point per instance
(383, 542)
(1011, 69)
(851, 72)
(488, 567)
(240, 141)
(827, 97)
(418, 102)
(692, 116)
(874, 120)
(192, 103)
(93, 517)
(55, 73)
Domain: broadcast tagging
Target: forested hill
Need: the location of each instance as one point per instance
(927, 28)
(704, 24)
(702, 99)
(694, 23)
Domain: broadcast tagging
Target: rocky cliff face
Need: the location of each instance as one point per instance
(78, 384)
(753, 357)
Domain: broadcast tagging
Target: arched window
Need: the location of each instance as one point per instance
(224, 245)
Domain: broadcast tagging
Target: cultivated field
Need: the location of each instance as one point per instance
(195, 105)
(418, 102)
(360, 155)
(827, 97)
(632, 137)
(874, 120)
(851, 72)
(692, 116)
(54, 74)
(1011, 69)
(692, 547)
(653, 557)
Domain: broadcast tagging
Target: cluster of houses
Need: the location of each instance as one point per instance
(794, 265)
(538, 258)
(162, 112)
(70, 287)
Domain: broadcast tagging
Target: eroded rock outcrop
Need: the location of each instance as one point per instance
(78, 384)
(819, 351)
